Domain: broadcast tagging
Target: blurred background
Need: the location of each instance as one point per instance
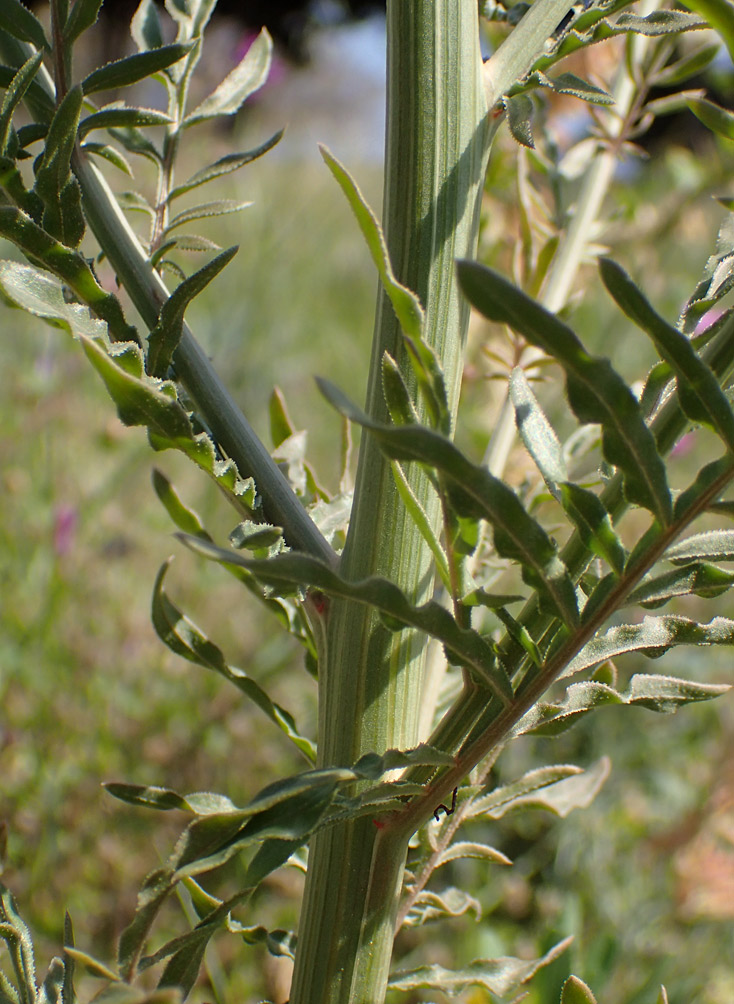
(644, 878)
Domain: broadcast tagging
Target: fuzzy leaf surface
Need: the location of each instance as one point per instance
(664, 694)
(246, 78)
(451, 902)
(499, 977)
(535, 780)
(225, 165)
(119, 117)
(596, 392)
(165, 336)
(131, 69)
(712, 545)
(653, 637)
(14, 94)
(82, 15)
(575, 991)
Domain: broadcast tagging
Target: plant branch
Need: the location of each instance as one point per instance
(215, 405)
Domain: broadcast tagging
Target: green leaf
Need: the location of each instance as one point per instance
(225, 165)
(8, 993)
(184, 518)
(663, 996)
(68, 991)
(17, 937)
(140, 400)
(575, 991)
(183, 637)
(153, 893)
(700, 396)
(165, 799)
(82, 15)
(183, 967)
(278, 942)
(145, 26)
(431, 386)
(451, 902)
(470, 849)
(51, 990)
(592, 521)
(720, 16)
(201, 450)
(118, 116)
(14, 95)
(299, 569)
(534, 780)
(558, 789)
(165, 336)
(42, 295)
(474, 492)
(569, 83)
(499, 977)
(221, 207)
(420, 518)
(281, 425)
(661, 22)
(715, 475)
(654, 636)
(520, 119)
(110, 154)
(61, 219)
(406, 304)
(131, 69)
(691, 64)
(19, 22)
(697, 579)
(246, 78)
(713, 116)
(537, 433)
(397, 397)
(662, 694)
(712, 545)
(93, 966)
(596, 392)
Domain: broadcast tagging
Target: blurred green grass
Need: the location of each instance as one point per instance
(89, 694)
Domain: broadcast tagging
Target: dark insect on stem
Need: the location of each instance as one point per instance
(446, 809)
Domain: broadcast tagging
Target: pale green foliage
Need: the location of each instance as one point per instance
(492, 550)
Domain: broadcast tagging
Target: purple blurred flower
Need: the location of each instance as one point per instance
(65, 523)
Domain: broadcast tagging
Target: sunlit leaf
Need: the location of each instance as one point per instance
(145, 26)
(14, 95)
(594, 525)
(471, 849)
(720, 16)
(420, 518)
(221, 207)
(93, 966)
(712, 545)
(663, 694)
(696, 579)
(520, 118)
(532, 781)
(451, 902)
(575, 991)
(246, 78)
(120, 117)
(499, 977)
(110, 154)
(406, 304)
(225, 165)
(278, 942)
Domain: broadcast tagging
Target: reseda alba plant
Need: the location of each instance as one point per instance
(434, 540)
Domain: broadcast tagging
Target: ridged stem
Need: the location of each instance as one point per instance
(371, 689)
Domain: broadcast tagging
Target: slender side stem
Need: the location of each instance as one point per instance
(370, 694)
(214, 403)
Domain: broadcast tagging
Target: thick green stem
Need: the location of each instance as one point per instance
(371, 686)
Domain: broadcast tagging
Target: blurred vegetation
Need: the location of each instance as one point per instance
(89, 694)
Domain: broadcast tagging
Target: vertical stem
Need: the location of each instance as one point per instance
(371, 685)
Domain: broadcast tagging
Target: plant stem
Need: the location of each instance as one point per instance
(370, 692)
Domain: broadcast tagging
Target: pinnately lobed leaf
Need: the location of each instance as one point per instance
(300, 569)
(699, 393)
(476, 493)
(596, 392)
